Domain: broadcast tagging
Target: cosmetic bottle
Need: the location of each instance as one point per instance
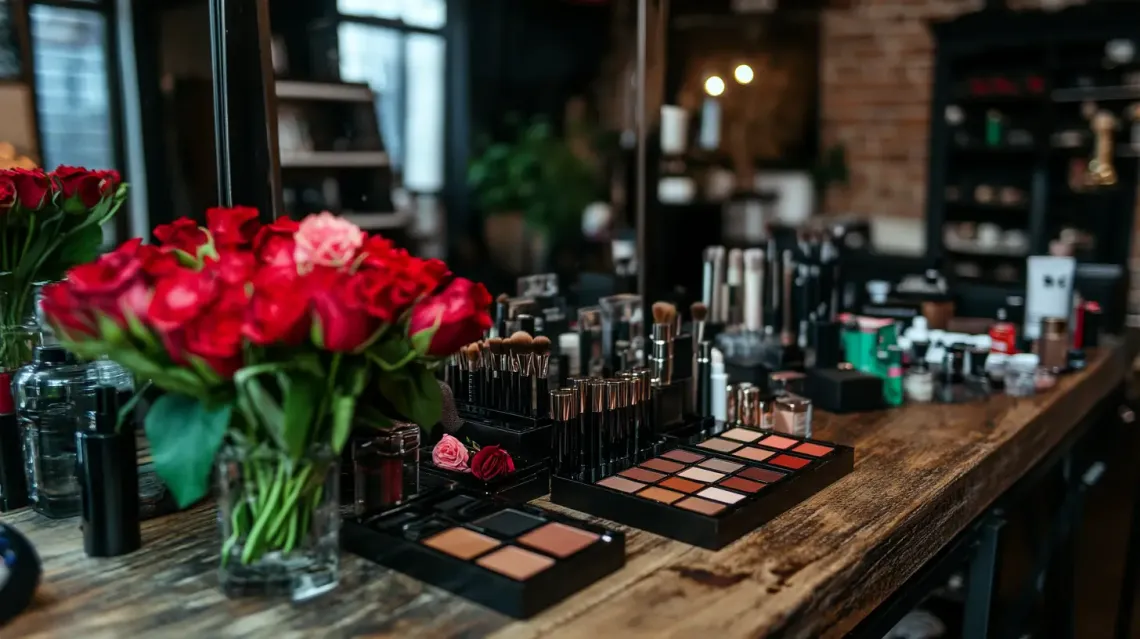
(109, 482)
(1053, 345)
(13, 484)
(792, 415)
(718, 386)
(563, 414)
(703, 406)
(918, 382)
(1003, 334)
(1021, 375)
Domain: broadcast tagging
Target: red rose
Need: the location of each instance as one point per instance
(460, 309)
(339, 325)
(83, 189)
(279, 309)
(234, 267)
(65, 312)
(491, 462)
(156, 262)
(7, 193)
(274, 243)
(33, 188)
(216, 335)
(110, 274)
(182, 234)
(235, 226)
(181, 297)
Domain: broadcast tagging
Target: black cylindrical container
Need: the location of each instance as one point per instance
(13, 482)
(595, 427)
(109, 481)
(563, 412)
(703, 405)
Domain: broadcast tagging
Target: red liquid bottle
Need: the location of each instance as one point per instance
(1003, 335)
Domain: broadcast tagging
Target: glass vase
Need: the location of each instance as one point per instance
(280, 523)
(385, 467)
(19, 327)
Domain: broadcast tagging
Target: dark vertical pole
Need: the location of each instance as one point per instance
(457, 134)
(245, 106)
(640, 175)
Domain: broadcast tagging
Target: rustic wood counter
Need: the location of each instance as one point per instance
(922, 473)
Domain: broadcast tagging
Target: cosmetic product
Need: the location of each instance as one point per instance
(661, 361)
(529, 480)
(978, 358)
(1003, 334)
(541, 369)
(1044, 380)
(732, 312)
(699, 314)
(714, 258)
(595, 446)
(623, 331)
(748, 406)
(918, 382)
(1021, 375)
(1092, 321)
(893, 380)
(1049, 291)
(703, 404)
(786, 383)
(591, 342)
(774, 280)
(732, 400)
(1053, 345)
(792, 416)
(513, 558)
(718, 384)
(502, 316)
(787, 330)
(713, 490)
(826, 343)
(753, 300)
(107, 469)
(13, 483)
(385, 467)
(564, 418)
(844, 390)
(21, 573)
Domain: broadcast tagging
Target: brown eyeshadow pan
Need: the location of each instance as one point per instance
(721, 445)
(814, 450)
(683, 456)
(640, 474)
(558, 539)
(515, 562)
(660, 494)
(755, 454)
(462, 543)
(762, 474)
(698, 505)
(787, 461)
(682, 485)
(743, 485)
(721, 465)
(663, 465)
(622, 484)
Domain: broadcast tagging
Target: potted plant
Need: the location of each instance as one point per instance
(265, 339)
(531, 186)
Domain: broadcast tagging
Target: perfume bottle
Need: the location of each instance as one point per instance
(918, 383)
(108, 475)
(1003, 335)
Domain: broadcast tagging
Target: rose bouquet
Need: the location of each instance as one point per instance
(272, 341)
(488, 462)
(49, 222)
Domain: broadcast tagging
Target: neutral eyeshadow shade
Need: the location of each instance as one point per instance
(755, 454)
(660, 494)
(622, 484)
(787, 461)
(723, 496)
(683, 456)
(762, 474)
(721, 465)
(722, 445)
(663, 465)
(775, 441)
(640, 474)
(742, 435)
(703, 506)
(815, 450)
(515, 562)
(559, 540)
(743, 485)
(462, 543)
(682, 485)
(700, 474)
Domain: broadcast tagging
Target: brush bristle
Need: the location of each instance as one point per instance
(664, 313)
(471, 352)
(502, 298)
(541, 345)
(521, 337)
(699, 311)
(496, 344)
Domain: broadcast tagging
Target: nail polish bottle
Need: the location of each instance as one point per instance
(109, 481)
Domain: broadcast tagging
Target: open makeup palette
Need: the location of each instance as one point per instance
(713, 489)
(510, 557)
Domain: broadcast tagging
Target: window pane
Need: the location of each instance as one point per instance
(430, 14)
(70, 49)
(372, 55)
(424, 162)
(371, 8)
(9, 45)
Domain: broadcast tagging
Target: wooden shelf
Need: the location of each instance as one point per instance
(334, 160)
(326, 91)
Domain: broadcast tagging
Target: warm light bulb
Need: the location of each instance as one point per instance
(714, 86)
(743, 74)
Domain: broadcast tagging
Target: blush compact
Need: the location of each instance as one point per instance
(510, 557)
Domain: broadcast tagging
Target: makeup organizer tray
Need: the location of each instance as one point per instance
(510, 557)
(520, 434)
(711, 491)
(530, 480)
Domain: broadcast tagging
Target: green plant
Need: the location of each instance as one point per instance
(534, 172)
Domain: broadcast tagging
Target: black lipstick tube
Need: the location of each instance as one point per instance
(563, 415)
(595, 427)
(703, 405)
(13, 483)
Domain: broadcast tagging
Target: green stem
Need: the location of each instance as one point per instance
(236, 521)
(295, 486)
(291, 537)
(255, 541)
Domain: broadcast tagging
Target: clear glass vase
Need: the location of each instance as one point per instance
(280, 523)
(20, 330)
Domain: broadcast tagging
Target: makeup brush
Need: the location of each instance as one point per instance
(519, 347)
(699, 312)
(664, 315)
(475, 377)
(753, 287)
(502, 314)
(730, 301)
(713, 279)
(541, 347)
(486, 361)
(498, 371)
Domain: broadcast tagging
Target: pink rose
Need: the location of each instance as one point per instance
(450, 454)
(324, 239)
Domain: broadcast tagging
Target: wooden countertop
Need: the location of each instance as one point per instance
(922, 473)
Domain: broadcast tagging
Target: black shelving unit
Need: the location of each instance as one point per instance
(1034, 74)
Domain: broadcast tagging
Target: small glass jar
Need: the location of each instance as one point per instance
(1053, 347)
(1044, 380)
(792, 415)
(919, 384)
(995, 369)
(1021, 375)
(386, 468)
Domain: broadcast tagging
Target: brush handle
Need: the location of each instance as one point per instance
(753, 283)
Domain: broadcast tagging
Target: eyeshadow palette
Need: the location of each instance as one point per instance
(510, 557)
(712, 492)
(530, 480)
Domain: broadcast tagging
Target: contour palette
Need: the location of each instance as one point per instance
(710, 493)
(513, 558)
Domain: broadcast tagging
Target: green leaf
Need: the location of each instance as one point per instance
(80, 247)
(268, 411)
(343, 411)
(184, 437)
(127, 410)
(173, 379)
(392, 355)
(302, 396)
(415, 395)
